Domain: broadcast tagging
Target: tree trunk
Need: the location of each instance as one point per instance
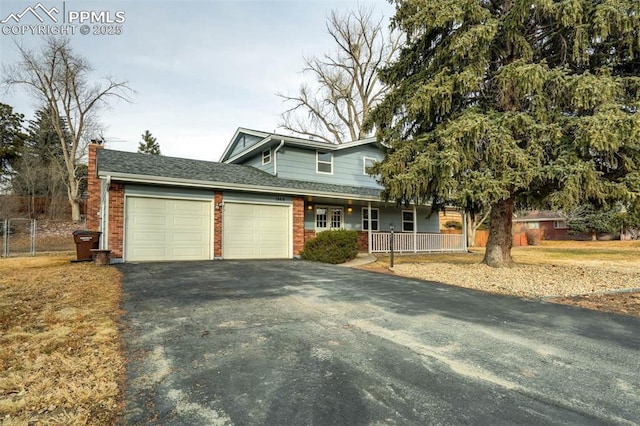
(73, 189)
(498, 252)
(75, 211)
(471, 229)
(594, 236)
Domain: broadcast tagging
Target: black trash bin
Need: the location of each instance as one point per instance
(85, 241)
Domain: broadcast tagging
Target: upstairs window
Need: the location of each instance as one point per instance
(324, 162)
(367, 162)
(266, 156)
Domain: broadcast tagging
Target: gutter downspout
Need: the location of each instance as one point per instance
(275, 157)
(104, 213)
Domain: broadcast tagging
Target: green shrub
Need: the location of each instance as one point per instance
(332, 247)
(453, 224)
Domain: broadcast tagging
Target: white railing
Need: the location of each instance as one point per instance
(416, 243)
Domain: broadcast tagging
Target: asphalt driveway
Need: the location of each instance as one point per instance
(298, 343)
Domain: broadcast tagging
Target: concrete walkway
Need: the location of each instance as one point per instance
(361, 259)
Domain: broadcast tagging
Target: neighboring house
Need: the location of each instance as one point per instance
(268, 195)
(551, 225)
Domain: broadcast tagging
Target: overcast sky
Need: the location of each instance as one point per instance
(200, 69)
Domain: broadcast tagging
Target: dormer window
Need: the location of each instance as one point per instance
(324, 162)
(266, 156)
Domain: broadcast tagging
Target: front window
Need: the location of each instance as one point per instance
(559, 224)
(533, 225)
(408, 221)
(324, 162)
(375, 215)
(329, 218)
(266, 156)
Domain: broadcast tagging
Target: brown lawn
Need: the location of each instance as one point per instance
(60, 357)
(593, 270)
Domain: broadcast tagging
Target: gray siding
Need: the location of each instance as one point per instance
(348, 166)
(242, 145)
(168, 192)
(246, 197)
(388, 216)
(256, 161)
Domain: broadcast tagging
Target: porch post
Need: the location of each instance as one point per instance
(369, 227)
(464, 230)
(415, 229)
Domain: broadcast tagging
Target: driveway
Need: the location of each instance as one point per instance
(298, 343)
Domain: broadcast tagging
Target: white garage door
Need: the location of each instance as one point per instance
(167, 229)
(256, 231)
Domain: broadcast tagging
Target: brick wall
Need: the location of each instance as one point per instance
(93, 189)
(116, 219)
(309, 234)
(217, 226)
(363, 241)
(298, 226)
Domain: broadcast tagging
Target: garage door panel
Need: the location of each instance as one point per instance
(189, 238)
(167, 229)
(256, 231)
(147, 220)
(155, 237)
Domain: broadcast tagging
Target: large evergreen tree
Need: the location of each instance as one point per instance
(587, 219)
(149, 145)
(40, 170)
(11, 140)
(529, 103)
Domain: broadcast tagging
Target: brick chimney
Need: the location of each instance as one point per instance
(93, 187)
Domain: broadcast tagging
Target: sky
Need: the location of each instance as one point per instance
(199, 69)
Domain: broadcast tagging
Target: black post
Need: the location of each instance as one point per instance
(391, 244)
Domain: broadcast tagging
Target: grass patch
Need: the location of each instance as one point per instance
(60, 357)
(605, 253)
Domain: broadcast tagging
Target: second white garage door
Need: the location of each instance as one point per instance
(256, 231)
(167, 229)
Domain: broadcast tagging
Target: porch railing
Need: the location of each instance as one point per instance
(416, 243)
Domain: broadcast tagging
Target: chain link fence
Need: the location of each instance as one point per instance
(28, 237)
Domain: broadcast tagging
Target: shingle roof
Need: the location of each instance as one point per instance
(171, 168)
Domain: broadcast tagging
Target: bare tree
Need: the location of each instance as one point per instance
(61, 79)
(346, 80)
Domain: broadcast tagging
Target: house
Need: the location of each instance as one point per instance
(267, 195)
(550, 225)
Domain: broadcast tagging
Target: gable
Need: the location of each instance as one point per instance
(243, 140)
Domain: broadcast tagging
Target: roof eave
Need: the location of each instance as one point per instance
(159, 180)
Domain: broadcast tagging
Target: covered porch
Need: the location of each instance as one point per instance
(414, 228)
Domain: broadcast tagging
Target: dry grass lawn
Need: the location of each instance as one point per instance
(60, 357)
(583, 273)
